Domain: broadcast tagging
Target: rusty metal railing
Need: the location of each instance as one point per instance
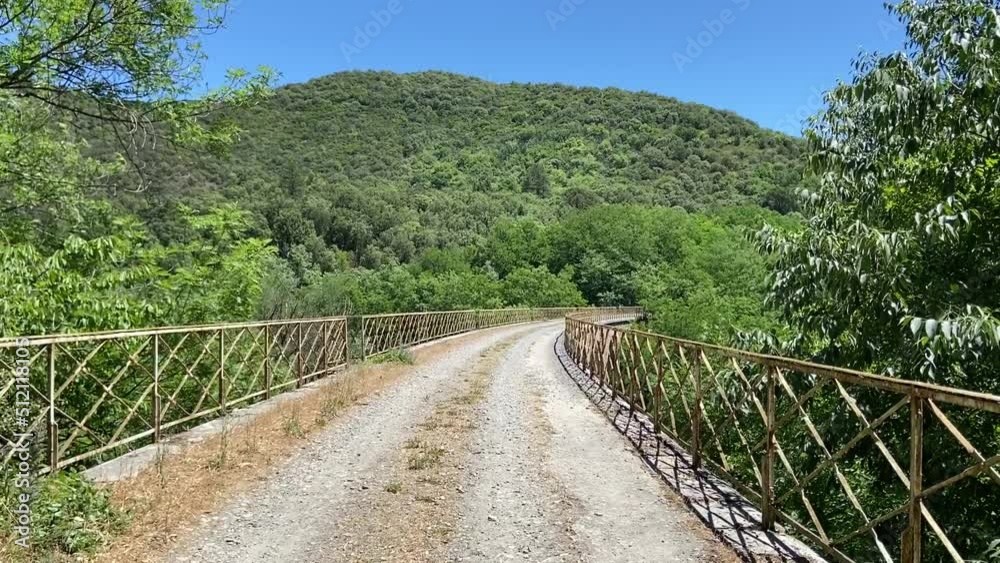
(99, 394)
(75, 398)
(817, 447)
(382, 333)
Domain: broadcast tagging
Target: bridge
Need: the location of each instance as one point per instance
(529, 434)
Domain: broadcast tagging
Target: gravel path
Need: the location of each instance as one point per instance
(488, 452)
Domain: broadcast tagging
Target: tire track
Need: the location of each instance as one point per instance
(409, 513)
(294, 514)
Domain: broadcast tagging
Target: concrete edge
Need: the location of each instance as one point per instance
(131, 464)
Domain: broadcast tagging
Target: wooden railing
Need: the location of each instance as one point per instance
(817, 447)
(86, 398)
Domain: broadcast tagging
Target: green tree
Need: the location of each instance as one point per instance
(441, 260)
(536, 180)
(538, 287)
(581, 197)
(513, 244)
(606, 244)
(896, 270)
(130, 65)
(457, 290)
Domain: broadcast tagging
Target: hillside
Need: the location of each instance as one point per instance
(385, 165)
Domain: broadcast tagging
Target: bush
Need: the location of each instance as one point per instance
(538, 287)
(397, 356)
(70, 515)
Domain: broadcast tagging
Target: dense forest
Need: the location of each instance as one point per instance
(375, 192)
(385, 166)
(465, 182)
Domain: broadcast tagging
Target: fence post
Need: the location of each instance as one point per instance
(347, 343)
(53, 427)
(298, 355)
(767, 470)
(696, 412)
(614, 367)
(600, 354)
(222, 370)
(364, 339)
(913, 538)
(267, 362)
(633, 378)
(156, 388)
(326, 345)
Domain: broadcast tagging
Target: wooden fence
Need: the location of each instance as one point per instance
(837, 455)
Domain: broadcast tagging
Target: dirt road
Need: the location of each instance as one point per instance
(486, 453)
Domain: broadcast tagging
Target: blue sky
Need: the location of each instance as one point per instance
(768, 60)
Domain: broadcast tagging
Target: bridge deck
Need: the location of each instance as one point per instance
(485, 452)
(721, 507)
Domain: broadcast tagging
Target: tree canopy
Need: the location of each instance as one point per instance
(131, 67)
(384, 166)
(897, 269)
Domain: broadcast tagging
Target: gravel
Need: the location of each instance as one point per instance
(539, 475)
(563, 484)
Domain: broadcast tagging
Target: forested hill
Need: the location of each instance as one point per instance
(398, 162)
(446, 131)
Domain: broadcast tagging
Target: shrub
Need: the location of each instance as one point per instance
(69, 515)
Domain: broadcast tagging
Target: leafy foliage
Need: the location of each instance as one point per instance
(384, 166)
(903, 229)
(354, 193)
(696, 273)
(896, 268)
(537, 287)
(105, 272)
(70, 515)
(123, 65)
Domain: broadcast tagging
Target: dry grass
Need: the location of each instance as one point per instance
(292, 426)
(425, 458)
(168, 500)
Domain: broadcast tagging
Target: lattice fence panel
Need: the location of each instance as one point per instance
(839, 456)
